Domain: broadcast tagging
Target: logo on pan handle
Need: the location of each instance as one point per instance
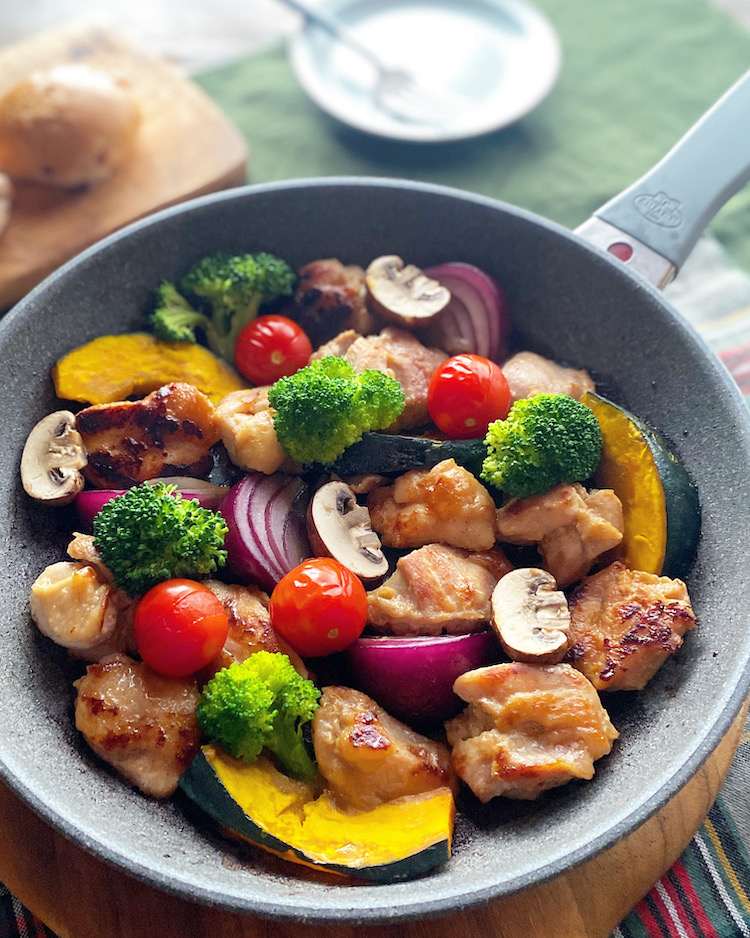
(660, 209)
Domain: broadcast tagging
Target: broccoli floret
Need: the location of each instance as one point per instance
(326, 406)
(150, 533)
(174, 319)
(545, 440)
(233, 287)
(261, 702)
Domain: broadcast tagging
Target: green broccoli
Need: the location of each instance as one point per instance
(326, 406)
(232, 287)
(150, 533)
(175, 320)
(261, 702)
(545, 440)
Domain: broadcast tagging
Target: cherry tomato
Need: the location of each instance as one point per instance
(466, 393)
(271, 347)
(180, 626)
(319, 607)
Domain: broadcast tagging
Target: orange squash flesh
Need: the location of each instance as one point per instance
(296, 820)
(114, 367)
(659, 502)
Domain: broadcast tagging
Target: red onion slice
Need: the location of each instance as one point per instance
(259, 510)
(476, 319)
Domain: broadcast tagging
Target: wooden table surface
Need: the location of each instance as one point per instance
(79, 896)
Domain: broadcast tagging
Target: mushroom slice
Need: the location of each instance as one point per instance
(531, 616)
(52, 459)
(404, 294)
(339, 527)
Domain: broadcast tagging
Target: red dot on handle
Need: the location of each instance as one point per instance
(621, 250)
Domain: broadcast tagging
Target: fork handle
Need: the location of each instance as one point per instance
(335, 28)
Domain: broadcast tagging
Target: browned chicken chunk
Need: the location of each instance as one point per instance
(445, 504)
(140, 722)
(625, 624)
(169, 432)
(78, 608)
(527, 728)
(529, 374)
(437, 589)
(368, 757)
(245, 421)
(331, 297)
(399, 354)
(570, 526)
(250, 628)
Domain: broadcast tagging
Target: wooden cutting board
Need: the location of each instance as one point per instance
(79, 896)
(186, 147)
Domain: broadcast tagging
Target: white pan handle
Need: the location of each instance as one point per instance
(660, 217)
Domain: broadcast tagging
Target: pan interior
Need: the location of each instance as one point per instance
(567, 302)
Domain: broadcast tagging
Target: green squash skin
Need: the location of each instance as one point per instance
(681, 501)
(202, 785)
(387, 453)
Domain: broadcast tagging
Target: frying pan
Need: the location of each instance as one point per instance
(570, 300)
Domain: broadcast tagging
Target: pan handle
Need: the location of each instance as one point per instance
(666, 211)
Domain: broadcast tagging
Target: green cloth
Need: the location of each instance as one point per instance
(636, 75)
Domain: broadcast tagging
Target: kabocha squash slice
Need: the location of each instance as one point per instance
(295, 820)
(114, 367)
(660, 503)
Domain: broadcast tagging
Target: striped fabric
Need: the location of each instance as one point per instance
(17, 922)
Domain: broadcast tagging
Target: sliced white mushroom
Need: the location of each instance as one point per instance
(52, 459)
(531, 616)
(339, 527)
(404, 294)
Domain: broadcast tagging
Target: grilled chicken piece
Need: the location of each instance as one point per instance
(140, 722)
(571, 527)
(527, 728)
(445, 504)
(82, 548)
(78, 608)
(625, 624)
(330, 298)
(250, 628)
(169, 432)
(368, 757)
(245, 421)
(529, 374)
(398, 354)
(437, 589)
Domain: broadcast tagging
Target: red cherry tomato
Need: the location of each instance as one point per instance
(271, 347)
(180, 626)
(319, 607)
(466, 393)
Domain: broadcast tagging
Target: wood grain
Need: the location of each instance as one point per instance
(186, 147)
(79, 896)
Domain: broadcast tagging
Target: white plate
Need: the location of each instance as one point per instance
(503, 56)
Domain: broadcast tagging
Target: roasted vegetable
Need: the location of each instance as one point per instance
(398, 840)
(327, 406)
(261, 703)
(114, 367)
(659, 501)
(230, 288)
(150, 533)
(545, 440)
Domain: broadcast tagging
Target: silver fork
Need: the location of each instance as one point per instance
(395, 89)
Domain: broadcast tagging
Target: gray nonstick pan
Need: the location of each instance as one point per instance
(573, 301)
